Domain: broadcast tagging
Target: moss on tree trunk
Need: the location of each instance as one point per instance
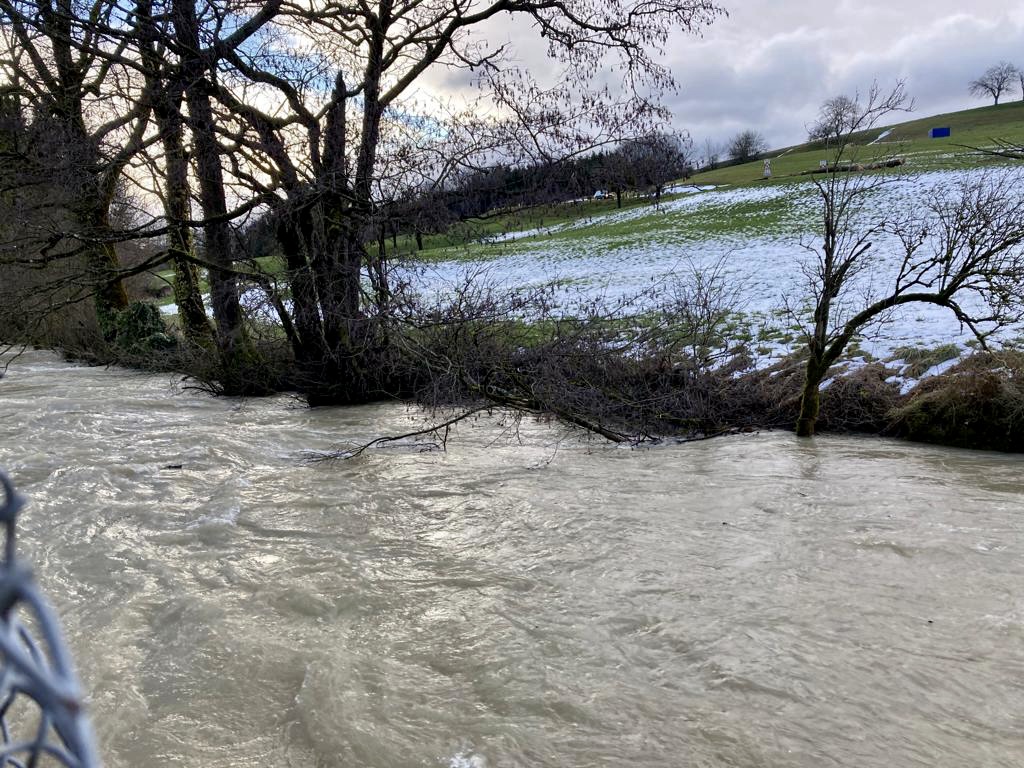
(110, 295)
(810, 399)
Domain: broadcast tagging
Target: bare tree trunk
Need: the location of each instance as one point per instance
(102, 265)
(305, 301)
(232, 340)
(166, 88)
(810, 398)
(345, 373)
(110, 295)
(92, 212)
(187, 295)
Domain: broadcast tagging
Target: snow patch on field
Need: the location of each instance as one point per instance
(907, 382)
(767, 267)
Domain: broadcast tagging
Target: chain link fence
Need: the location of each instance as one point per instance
(42, 722)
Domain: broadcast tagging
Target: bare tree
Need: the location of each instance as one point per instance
(835, 118)
(166, 87)
(659, 159)
(85, 132)
(746, 146)
(615, 174)
(106, 85)
(710, 155)
(317, 162)
(997, 80)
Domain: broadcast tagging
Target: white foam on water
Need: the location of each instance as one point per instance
(467, 760)
(228, 516)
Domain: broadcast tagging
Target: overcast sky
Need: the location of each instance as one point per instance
(770, 64)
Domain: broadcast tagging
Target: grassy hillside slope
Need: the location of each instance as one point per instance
(909, 140)
(970, 128)
(601, 218)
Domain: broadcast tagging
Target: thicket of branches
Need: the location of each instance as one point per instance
(308, 118)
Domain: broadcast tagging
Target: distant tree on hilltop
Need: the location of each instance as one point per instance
(746, 146)
(835, 118)
(997, 80)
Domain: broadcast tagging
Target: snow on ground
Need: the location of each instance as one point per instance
(907, 382)
(768, 267)
(607, 218)
(698, 198)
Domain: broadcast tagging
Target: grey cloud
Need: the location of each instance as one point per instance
(770, 64)
(770, 68)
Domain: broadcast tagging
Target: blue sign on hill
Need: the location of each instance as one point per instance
(939, 133)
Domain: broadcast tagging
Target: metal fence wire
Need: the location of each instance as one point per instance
(42, 722)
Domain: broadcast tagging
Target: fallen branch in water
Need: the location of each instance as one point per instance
(441, 430)
(727, 432)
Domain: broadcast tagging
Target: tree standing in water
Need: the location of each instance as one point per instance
(962, 250)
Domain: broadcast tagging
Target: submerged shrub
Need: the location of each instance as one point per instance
(859, 401)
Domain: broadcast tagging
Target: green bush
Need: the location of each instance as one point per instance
(140, 329)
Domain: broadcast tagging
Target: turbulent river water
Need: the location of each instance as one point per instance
(542, 601)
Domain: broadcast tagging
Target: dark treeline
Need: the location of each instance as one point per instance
(641, 166)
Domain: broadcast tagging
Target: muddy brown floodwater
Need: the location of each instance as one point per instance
(757, 601)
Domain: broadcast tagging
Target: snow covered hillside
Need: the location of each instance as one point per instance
(760, 235)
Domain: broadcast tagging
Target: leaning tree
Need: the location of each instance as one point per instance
(961, 248)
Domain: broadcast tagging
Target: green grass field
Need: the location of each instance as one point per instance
(909, 140)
